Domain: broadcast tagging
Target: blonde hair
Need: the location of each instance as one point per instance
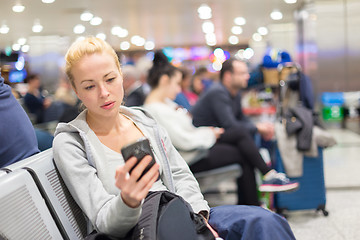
(87, 46)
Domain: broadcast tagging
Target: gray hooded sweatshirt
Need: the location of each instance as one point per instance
(90, 174)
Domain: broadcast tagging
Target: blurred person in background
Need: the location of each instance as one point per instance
(220, 105)
(197, 86)
(17, 135)
(206, 148)
(70, 102)
(35, 102)
(5, 74)
(143, 65)
(133, 87)
(185, 98)
(65, 94)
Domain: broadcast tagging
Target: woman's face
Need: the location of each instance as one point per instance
(98, 84)
(197, 85)
(174, 86)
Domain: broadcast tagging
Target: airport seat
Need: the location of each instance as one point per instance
(24, 214)
(2, 172)
(70, 218)
(209, 180)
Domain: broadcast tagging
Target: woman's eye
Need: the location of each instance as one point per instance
(110, 79)
(89, 87)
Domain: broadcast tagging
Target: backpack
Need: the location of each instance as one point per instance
(167, 216)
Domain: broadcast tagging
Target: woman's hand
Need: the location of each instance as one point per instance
(217, 131)
(133, 191)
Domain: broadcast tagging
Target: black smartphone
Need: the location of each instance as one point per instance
(139, 150)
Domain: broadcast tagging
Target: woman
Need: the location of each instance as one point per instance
(186, 98)
(87, 154)
(206, 148)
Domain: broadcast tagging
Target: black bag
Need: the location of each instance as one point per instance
(166, 216)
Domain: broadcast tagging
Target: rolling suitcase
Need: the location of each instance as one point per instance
(311, 193)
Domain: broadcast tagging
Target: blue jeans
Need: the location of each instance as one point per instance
(249, 222)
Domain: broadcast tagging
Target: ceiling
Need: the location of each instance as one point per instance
(166, 22)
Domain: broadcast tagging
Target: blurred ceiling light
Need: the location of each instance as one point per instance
(4, 29)
(80, 38)
(137, 40)
(16, 47)
(149, 45)
(248, 53)
(240, 21)
(210, 37)
(204, 11)
(18, 7)
(276, 15)
(208, 27)
(211, 43)
(240, 54)
(101, 36)
(257, 37)
(123, 33)
(25, 48)
(95, 21)
(290, 1)
(21, 41)
(48, 1)
(115, 30)
(124, 45)
(86, 16)
(263, 30)
(79, 28)
(37, 27)
(236, 30)
(218, 52)
(217, 66)
(119, 31)
(233, 40)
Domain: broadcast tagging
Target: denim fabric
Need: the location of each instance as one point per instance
(249, 223)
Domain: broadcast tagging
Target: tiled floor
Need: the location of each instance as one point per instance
(341, 167)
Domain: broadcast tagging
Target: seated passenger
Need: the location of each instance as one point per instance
(220, 105)
(87, 154)
(222, 148)
(186, 96)
(17, 135)
(134, 92)
(34, 101)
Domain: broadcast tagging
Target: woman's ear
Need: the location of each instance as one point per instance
(164, 80)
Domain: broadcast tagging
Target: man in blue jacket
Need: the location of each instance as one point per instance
(17, 135)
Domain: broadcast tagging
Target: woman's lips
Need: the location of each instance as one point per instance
(108, 105)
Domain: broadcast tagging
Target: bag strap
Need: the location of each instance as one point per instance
(201, 227)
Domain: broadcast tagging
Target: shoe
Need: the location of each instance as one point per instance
(277, 182)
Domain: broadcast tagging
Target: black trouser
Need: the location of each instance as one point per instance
(236, 145)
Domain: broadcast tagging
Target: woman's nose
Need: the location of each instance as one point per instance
(104, 91)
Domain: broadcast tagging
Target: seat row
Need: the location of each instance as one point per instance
(36, 204)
